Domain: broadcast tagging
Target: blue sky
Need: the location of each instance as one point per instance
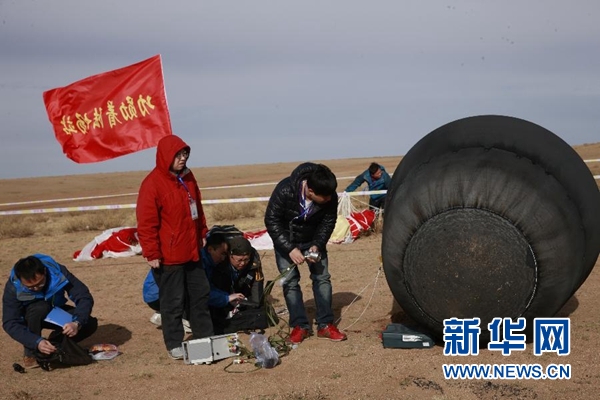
(276, 81)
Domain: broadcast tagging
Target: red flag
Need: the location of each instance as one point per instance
(110, 114)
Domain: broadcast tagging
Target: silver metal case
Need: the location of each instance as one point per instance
(213, 348)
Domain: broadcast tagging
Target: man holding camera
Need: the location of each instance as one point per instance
(300, 219)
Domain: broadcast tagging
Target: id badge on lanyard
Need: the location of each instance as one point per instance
(193, 208)
(193, 205)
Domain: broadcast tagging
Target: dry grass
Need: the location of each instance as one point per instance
(22, 226)
(14, 228)
(99, 220)
(378, 224)
(233, 211)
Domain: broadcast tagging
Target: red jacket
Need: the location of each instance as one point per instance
(165, 226)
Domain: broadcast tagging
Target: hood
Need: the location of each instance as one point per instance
(166, 150)
(55, 281)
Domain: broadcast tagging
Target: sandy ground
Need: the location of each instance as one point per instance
(359, 368)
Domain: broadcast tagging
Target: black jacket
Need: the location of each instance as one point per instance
(248, 281)
(283, 221)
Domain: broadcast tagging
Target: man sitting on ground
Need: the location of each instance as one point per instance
(236, 290)
(37, 284)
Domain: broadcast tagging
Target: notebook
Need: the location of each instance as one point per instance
(59, 317)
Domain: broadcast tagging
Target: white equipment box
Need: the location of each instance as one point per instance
(212, 348)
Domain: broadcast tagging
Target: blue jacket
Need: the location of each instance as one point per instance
(382, 183)
(60, 282)
(218, 298)
(150, 289)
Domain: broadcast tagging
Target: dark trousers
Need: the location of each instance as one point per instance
(38, 310)
(379, 203)
(175, 282)
(155, 305)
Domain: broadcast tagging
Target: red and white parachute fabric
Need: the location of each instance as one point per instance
(259, 239)
(360, 221)
(123, 242)
(351, 222)
(112, 243)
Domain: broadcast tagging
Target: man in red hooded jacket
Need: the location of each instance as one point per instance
(172, 230)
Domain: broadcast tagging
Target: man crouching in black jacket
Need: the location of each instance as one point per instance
(300, 217)
(236, 289)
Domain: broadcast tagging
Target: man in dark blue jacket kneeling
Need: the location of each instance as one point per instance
(36, 285)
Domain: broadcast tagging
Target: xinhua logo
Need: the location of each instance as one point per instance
(550, 335)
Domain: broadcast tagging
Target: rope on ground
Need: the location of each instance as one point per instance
(356, 298)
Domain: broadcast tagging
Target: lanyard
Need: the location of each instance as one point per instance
(193, 206)
(185, 186)
(306, 209)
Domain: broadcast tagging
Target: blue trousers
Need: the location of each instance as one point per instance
(322, 292)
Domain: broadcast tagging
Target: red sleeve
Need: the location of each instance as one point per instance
(148, 221)
(201, 217)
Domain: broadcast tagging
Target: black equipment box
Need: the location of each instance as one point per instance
(402, 337)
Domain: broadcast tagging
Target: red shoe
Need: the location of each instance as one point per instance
(331, 332)
(298, 335)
